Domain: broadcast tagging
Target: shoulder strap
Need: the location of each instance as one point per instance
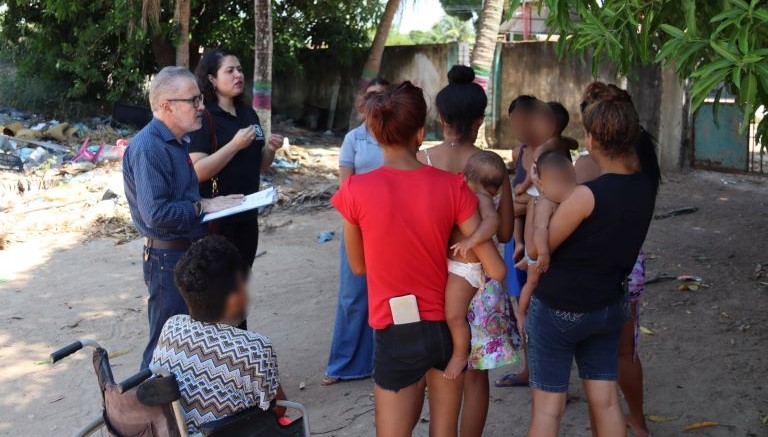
(426, 155)
(212, 127)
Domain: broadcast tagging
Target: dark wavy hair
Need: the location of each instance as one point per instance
(462, 102)
(207, 274)
(209, 65)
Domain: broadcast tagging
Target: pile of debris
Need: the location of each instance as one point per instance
(29, 144)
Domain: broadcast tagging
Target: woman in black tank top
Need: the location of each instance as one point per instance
(579, 308)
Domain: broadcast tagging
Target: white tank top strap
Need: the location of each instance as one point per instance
(426, 155)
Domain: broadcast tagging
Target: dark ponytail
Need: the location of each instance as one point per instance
(649, 161)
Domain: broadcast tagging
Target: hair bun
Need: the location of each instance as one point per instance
(461, 75)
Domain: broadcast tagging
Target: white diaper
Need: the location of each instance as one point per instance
(533, 191)
(472, 272)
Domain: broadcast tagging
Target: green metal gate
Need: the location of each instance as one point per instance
(723, 148)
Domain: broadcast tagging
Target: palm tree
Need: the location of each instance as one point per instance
(373, 62)
(485, 46)
(262, 68)
(150, 17)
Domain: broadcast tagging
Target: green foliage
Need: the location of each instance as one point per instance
(96, 51)
(719, 46)
(342, 26)
(449, 29)
(89, 46)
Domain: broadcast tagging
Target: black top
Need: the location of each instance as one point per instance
(242, 175)
(587, 271)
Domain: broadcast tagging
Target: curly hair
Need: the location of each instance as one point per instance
(207, 274)
(610, 117)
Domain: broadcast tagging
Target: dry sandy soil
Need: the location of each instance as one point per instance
(706, 360)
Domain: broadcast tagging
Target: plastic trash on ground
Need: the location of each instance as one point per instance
(325, 236)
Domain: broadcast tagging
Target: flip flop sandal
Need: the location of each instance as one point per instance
(510, 380)
(327, 380)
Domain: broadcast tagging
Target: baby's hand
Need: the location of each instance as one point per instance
(463, 247)
(543, 265)
(522, 265)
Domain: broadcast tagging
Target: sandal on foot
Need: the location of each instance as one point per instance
(511, 380)
(328, 380)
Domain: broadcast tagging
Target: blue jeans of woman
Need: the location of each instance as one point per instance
(352, 347)
(165, 300)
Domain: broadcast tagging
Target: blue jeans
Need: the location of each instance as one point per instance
(516, 278)
(352, 347)
(165, 300)
(556, 337)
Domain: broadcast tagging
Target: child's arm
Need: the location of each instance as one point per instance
(543, 210)
(523, 186)
(485, 231)
(506, 211)
(486, 251)
(519, 243)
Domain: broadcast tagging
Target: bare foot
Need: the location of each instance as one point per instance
(455, 367)
(638, 429)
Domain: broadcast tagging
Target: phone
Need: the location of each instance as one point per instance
(404, 309)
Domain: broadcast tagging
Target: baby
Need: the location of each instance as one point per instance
(484, 173)
(549, 121)
(557, 179)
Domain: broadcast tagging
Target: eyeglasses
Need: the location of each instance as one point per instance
(195, 101)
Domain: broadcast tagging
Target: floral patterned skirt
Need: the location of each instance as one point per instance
(496, 341)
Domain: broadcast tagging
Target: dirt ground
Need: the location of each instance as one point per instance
(705, 361)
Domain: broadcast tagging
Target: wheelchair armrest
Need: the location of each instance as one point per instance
(161, 390)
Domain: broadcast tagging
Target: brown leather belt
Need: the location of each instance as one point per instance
(167, 244)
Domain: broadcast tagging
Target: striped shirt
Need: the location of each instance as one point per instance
(221, 370)
(161, 185)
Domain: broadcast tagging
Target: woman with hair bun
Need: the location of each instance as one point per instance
(405, 212)
(579, 308)
(630, 366)
(495, 341)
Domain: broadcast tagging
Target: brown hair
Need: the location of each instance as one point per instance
(396, 114)
(486, 168)
(610, 117)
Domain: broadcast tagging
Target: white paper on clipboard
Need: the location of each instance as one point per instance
(252, 201)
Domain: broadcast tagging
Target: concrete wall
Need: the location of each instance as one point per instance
(525, 68)
(426, 66)
(534, 68)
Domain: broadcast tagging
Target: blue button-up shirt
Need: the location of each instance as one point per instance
(161, 185)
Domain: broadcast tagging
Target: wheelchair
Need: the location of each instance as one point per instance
(148, 403)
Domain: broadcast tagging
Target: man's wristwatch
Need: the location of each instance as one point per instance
(198, 208)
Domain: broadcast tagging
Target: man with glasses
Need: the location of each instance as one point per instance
(162, 191)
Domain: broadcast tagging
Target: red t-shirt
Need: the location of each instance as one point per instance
(406, 218)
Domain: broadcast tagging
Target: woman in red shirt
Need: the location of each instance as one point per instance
(405, 212)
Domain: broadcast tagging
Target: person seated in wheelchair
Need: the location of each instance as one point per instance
(221, 370)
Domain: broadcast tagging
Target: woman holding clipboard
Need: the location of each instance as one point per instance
(230, 151)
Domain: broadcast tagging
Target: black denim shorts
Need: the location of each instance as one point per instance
(404, 353)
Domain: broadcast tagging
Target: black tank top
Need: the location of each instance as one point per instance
(587, 271)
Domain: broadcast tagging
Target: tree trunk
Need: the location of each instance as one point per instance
(262, 69)
(182, 17)
(373, 62)
(485, 46)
